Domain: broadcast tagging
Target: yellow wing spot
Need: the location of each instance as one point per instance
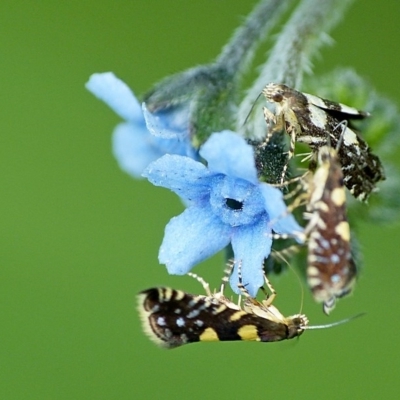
(321, 175)
(220, 309)
(321, 206)
(165, 294)
(312, 271)
(237, 316)
(313, 281)
(343, 230)
(209, 335)
(338, 196)
(248, 332)
(179, 295)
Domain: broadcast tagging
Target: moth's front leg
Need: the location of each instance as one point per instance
(275, 124)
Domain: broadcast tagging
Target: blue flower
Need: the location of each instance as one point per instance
(134, 146)
(227, 205)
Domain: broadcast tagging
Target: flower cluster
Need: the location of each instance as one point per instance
(228, 204)
(197, 135)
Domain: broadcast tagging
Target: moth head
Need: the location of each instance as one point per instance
(296, 325)
(274, 93)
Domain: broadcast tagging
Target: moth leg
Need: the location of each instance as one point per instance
(269, 117)
(288, 252)
(242, 287)
(289, 181)
(290, 153)
(227, 274)
(269, 298)
(307, 156)
(274, 125)
(205, 284)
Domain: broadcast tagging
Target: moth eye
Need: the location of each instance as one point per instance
(277, 97)
(324, 157)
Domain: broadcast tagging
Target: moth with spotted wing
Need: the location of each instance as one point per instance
(309, 119)
(331, 270)
(172, 318)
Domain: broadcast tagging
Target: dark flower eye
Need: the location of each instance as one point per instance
(234, 204)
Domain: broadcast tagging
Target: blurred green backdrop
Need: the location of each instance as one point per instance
(80, 238)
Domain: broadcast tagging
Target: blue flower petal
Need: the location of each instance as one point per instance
(190, 238)
(186, 177)
(228, 153)
(156, 126)
(132, 148)
(170, 124)
(280, 220)
(116, 94)
(251, 244)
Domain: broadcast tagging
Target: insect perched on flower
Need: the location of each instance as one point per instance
(172, 318)
(331, 270)
(309, 119)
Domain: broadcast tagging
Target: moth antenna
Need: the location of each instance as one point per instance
(251, 109)
(280, 254)
(343, 124)
(343, 321)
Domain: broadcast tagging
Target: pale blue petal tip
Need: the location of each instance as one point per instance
(116, 94)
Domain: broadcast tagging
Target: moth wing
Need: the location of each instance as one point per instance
(342, 111)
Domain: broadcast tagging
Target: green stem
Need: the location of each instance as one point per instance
(239, 51)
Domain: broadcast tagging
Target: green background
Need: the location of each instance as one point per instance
(80, 238)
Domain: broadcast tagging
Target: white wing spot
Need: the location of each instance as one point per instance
(193, 314)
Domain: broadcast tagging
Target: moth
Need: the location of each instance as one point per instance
(312, 120)
(331, 270)
(172, 318)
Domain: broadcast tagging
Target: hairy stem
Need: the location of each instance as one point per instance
(239, 51)
(304, 33)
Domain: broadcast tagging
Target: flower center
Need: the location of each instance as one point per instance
(234, 204)
(236, 201)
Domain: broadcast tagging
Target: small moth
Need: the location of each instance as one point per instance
(310, 119)
(172, 318)
(331, 271)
